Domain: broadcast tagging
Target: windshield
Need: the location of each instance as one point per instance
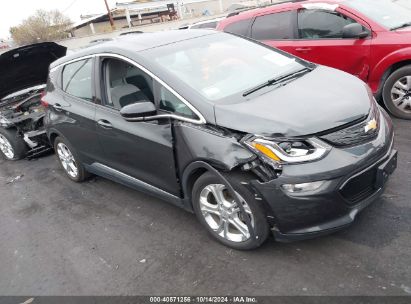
(389, 13)
(220, 65)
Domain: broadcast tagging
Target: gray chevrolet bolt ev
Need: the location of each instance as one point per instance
(249, 138)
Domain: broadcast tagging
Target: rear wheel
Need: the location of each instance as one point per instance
(219, 213)
(12, 146)
(69, 160)
(397, 93)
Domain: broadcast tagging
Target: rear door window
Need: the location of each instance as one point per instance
(77, 80)
(276, 26)
(239, 28)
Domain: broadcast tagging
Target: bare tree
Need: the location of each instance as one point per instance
(40, 27)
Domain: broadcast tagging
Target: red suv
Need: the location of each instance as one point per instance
(367, 38)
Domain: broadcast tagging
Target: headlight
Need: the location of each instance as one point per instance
(288, 151)
(374, 111)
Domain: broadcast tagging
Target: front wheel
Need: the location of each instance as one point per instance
(12, 145)
(219, 213)
(397, 93)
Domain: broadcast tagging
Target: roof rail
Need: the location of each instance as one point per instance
(262, 6)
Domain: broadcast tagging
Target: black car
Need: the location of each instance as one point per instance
(249, 138)
(23, 75)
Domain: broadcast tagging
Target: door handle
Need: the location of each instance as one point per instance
(58, 107)
(105, 124)
(303, 50)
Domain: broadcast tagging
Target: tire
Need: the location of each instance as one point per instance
(69, 160)
(12, 145)
(398, 80)
(214, 223)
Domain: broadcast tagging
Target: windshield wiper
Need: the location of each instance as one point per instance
(277, 80)
(401, 26)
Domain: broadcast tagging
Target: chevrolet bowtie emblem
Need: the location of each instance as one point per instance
(371, 125)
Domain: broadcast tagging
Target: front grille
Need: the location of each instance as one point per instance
(360, 187)
(356, 134)
(351, 136)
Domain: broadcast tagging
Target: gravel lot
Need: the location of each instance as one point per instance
(100, 238)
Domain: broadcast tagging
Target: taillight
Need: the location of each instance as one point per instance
(44, 103)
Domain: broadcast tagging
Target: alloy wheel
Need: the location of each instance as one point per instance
(67, 160)
(401, 94)
(6, 147)
(223, 215)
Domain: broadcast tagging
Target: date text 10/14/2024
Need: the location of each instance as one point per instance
(203, 299)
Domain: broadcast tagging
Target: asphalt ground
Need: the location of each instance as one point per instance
(101, 238)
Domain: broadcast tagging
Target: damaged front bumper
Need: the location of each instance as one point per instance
(36, 140)
(25, 114)
(354, 177)
(38, 143)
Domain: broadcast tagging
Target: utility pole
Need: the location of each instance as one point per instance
(220, 3)
(109, 16)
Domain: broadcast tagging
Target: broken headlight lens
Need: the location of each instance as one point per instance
(289, 151)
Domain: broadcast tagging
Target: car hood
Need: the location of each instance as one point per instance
(27, 66)
(318, 101)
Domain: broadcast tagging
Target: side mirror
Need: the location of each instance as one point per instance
(354, 30)
(138, 111)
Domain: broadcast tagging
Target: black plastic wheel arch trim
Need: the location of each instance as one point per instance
(203, 165)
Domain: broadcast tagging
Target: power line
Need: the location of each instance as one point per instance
(69, 6)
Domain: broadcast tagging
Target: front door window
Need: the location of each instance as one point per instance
(320, 24)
